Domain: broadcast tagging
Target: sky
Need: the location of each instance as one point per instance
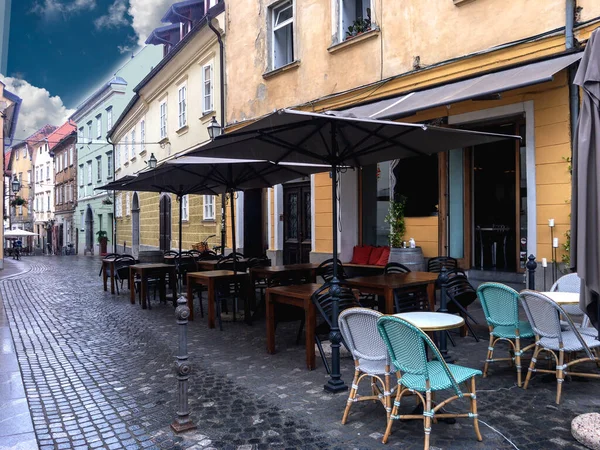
(62, 50)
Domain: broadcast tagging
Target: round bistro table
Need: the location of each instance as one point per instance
(432, 321)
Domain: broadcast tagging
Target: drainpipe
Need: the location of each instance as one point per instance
(571, 5)
(222, 95)
(114, 200)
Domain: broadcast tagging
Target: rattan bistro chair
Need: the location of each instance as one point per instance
(407, 345)
(371, 360)
(544, 316)
(500, 305)
(569, 283)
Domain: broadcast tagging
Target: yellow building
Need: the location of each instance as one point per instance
(169, 114)
(9, 113)
(480, 64)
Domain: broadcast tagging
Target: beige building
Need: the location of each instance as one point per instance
(168, 115)
(483, 64)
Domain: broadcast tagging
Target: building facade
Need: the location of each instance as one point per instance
(95, 167)
(168, 115)
(404, 64)
(62, 149)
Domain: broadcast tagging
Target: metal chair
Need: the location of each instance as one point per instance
(322, 300)
(407, 299)
(325, 270)
(569, 283)
(395, 267)
(122, 263)
(371, 360)
(544, 316)
(108, 256)
(501, 308)
(435, 264)
(407, 346)
(460, 295)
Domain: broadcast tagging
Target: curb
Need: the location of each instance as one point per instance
(26, 269)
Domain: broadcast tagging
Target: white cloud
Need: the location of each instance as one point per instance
(38, 108)
(146, 16)
(52, 9)
(116, 16)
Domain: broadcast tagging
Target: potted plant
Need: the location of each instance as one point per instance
(107, 201)
(410, 257)
(359, 26)
(102, 237)
(18, 201)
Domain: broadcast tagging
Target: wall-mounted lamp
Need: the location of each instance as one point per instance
(214, 129)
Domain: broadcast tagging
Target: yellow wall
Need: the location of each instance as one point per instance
(424, 230)
(323, 213)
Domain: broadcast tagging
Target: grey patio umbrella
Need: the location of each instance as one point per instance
(335, 140)
(585, 199)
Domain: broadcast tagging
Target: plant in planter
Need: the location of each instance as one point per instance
(359, 26)
(18, 201)
(395, 218)
(102, 237)
(107, 201)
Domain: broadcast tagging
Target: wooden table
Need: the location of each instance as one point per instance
(563, 298)
(386, 284)
(291, 270)
(210, 278)
(300, 296)
(432, 321)
(211, 264)
(156, 270)
(108, 266)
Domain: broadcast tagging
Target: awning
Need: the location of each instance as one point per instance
(473, 88)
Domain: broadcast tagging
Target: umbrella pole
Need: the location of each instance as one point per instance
(335, 382)
(180, 286)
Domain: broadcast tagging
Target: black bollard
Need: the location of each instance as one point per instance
(531, 266)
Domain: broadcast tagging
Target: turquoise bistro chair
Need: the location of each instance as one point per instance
(500, 305)
(407, 345)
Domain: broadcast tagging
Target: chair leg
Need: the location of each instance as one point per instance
(390, 420)
(532, 365)
(450, 338)
(518, 360)
(320, 346)
(218, 312)
(351, 396)
(471, 330)
(490, 354)
(427, 418)
(560, 377)
(473, 399)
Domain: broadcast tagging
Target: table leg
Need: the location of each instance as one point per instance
(132, 290)
(270, 315)
(190, 297)
(310, 321)
(211, 303)
(112, 278)
(104, 277)
(144, 289)
(162, 288)
(431, 296)
(389, 300)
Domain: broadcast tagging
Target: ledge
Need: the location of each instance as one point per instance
(461, 2)
(184, 129)
(205, 118)
(354, 40)
(290, 66)
(164, 140)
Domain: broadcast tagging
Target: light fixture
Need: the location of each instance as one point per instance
(152, 161)
(214, 129)
(15, 184)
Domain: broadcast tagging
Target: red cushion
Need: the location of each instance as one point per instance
(385, 255)
(375, 255)
(361, 254)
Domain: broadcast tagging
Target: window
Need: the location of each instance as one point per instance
(20, 210)
(143, 135)
(163, 120)
(99, 126)
(133, 143)
(355, 14)
(29, 177)
(25, 152)
(80, 135)
(89, 131)
(89, 172)
(109, 165)
(209, 207)
(109, 123)
(119, 205)
(118, 155)
(282, 38)
(207, 89)
(17, 155)
(185, 202)
(126, 151)
(65, 160)
(71, 160)
(99, 168)
(57, 163)
(81, 222)
(127, 204)
(49, 196)
(48, 171)
(182, 106)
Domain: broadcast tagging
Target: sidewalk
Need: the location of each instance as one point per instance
(16, 427)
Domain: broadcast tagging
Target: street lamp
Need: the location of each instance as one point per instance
(152, 161)
(214, 129)
(15, 185)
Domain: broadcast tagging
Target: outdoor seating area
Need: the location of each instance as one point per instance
(390, 324)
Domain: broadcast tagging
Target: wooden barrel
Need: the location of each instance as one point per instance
(410, 257)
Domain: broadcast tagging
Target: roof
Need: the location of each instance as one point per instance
(40, 134)
(212, 12)
(169, 33)
(177, 10)
(11, 115)
(117, 81)
(61, 133)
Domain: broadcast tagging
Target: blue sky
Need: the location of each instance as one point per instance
(62, 50)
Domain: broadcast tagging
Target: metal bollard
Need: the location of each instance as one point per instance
(531, 266)
(183, 421)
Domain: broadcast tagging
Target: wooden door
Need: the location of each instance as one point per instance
(165, 223)
(297, 236)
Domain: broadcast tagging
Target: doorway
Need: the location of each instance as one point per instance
(297, 236)
(253, 223)
(135, 225)
(165, 223)
(89, 230)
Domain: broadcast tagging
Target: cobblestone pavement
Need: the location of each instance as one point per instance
(99, 373)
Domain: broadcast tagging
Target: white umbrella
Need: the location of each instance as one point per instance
(18, 233)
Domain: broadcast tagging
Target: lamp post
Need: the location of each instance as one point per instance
(15, 186)
(215, 130)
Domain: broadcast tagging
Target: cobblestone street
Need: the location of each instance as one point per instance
(99, 373)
